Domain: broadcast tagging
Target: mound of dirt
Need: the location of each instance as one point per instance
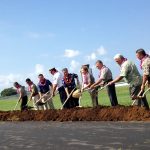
(100, 113)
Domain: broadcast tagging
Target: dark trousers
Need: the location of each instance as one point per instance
(63, 96)
(94, 97)
(72, 102)
(111, 90)
(24, 101)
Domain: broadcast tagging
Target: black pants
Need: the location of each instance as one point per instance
(72, 102)
(63, 96)
(111, 90)
(24, 101)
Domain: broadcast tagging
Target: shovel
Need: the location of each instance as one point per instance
(145, 92)
(138, 96)
(41, 103)
(67, 98)
(16, 105)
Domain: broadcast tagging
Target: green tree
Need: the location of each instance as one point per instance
(8, 92)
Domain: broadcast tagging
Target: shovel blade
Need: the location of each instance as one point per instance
(40, 103)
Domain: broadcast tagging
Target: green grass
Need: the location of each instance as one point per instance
(122, 95)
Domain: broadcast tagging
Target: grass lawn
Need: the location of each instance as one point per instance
(122, 94)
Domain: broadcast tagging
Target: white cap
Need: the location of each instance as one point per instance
(118, 56)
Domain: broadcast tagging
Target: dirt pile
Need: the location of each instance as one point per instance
(100, 113)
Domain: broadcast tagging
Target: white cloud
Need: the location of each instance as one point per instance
(74, 65)
(92, 56)
(101, 51)
(39, 69)
(71, 53)
(7, 81)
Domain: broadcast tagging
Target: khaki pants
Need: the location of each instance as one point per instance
(94, 97)
(49, 104)
(134, 91)
(35, 99)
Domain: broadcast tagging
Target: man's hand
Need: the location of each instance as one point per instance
(92, 86)
(110, 83)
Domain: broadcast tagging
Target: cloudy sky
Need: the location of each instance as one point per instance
(36, 35)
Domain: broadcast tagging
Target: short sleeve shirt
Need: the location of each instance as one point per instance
(146, 66)
(87, 79)
(44, 88)
(105, 74)
(130, 73)
(22, 90)
(57, 79)
(34, 89)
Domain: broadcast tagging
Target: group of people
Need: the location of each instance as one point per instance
(66, 84)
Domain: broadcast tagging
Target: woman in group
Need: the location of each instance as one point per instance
(87, 81)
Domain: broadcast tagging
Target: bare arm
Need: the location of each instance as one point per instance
(54, 89)
(116, 80)
(96, 83)
(21, 95)
(145, 78)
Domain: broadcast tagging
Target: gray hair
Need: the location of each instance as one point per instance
(118, 56)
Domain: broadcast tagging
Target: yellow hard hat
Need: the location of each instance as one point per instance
(76, 93)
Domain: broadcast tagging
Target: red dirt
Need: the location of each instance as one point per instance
(100, 113)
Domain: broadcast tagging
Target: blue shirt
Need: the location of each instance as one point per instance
(45, 87)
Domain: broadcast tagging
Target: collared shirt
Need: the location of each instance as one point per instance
(87, 79)
(21, 90)
(69, 81)
(33, 89)
(146, 66)
(105, 74)
(130, 73)
(57, 79)
(44, 88)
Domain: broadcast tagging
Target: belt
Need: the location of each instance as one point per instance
(108, 80)
(35, 94)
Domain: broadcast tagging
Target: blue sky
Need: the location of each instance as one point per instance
(36, 35)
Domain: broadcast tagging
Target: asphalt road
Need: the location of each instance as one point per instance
(74, 135)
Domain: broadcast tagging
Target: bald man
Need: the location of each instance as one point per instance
(131, 75)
